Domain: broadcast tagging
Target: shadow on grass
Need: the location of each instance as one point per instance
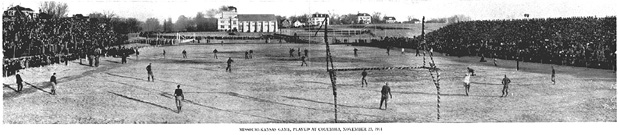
(122, 76)
(284, 104)
(9, 86)
(113, 61)
(40, 89)
(192, 61)
(142, 101)
(83, 64)
(32, 89)
(239, 52)
(309, 100)
(285, 59)
(485, 83)
(207, 69)
(433, 94)
(316, 82)
(129, 77)
(168, 95)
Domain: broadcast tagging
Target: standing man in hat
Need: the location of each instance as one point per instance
(19, 80)
(178, 96)
(150, 72)
(53, 82)
(505, 83)
(386, 90)
(229, 68)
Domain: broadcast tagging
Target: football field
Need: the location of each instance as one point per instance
(273, 88)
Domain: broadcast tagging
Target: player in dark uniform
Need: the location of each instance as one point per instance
(52, 81)
(363, 81)
(386, 90)
(417, 52)
(306, 52)
(184, 54)
(303, 61)
(299, 52)
(137, 54)
(164, 54)
(251, 54)
(291, 52)
(229, 68)
(505, 83)
(517, 62)
(150, 72)
(388, 50)
(355, 52)
(123, 56)
(215, 53)
(19, 80)
(178, 96)
(97, 56)
(246, 55)
(553, 76)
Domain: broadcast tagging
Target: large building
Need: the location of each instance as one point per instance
(231, 21)
(364, 18)
(318, 18)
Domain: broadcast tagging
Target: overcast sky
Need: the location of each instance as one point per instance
(401, 9)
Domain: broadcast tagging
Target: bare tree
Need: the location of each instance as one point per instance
(55, 9)
(104, 14)
(376, 17)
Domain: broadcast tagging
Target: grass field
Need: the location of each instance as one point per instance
(274, 88)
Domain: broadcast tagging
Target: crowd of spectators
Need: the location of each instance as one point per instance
(576, 41)
(39, 42)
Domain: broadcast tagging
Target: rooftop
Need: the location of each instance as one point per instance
(20, 8)
(389, 18)
(363, 14)
(320, 15)
(256, 17)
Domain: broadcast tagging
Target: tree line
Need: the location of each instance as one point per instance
(203, 21)
(207, 20)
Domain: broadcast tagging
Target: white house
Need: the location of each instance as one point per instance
(297, 24)
(318, 18)
(230, 20)
(389, 19)
(364, 18)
